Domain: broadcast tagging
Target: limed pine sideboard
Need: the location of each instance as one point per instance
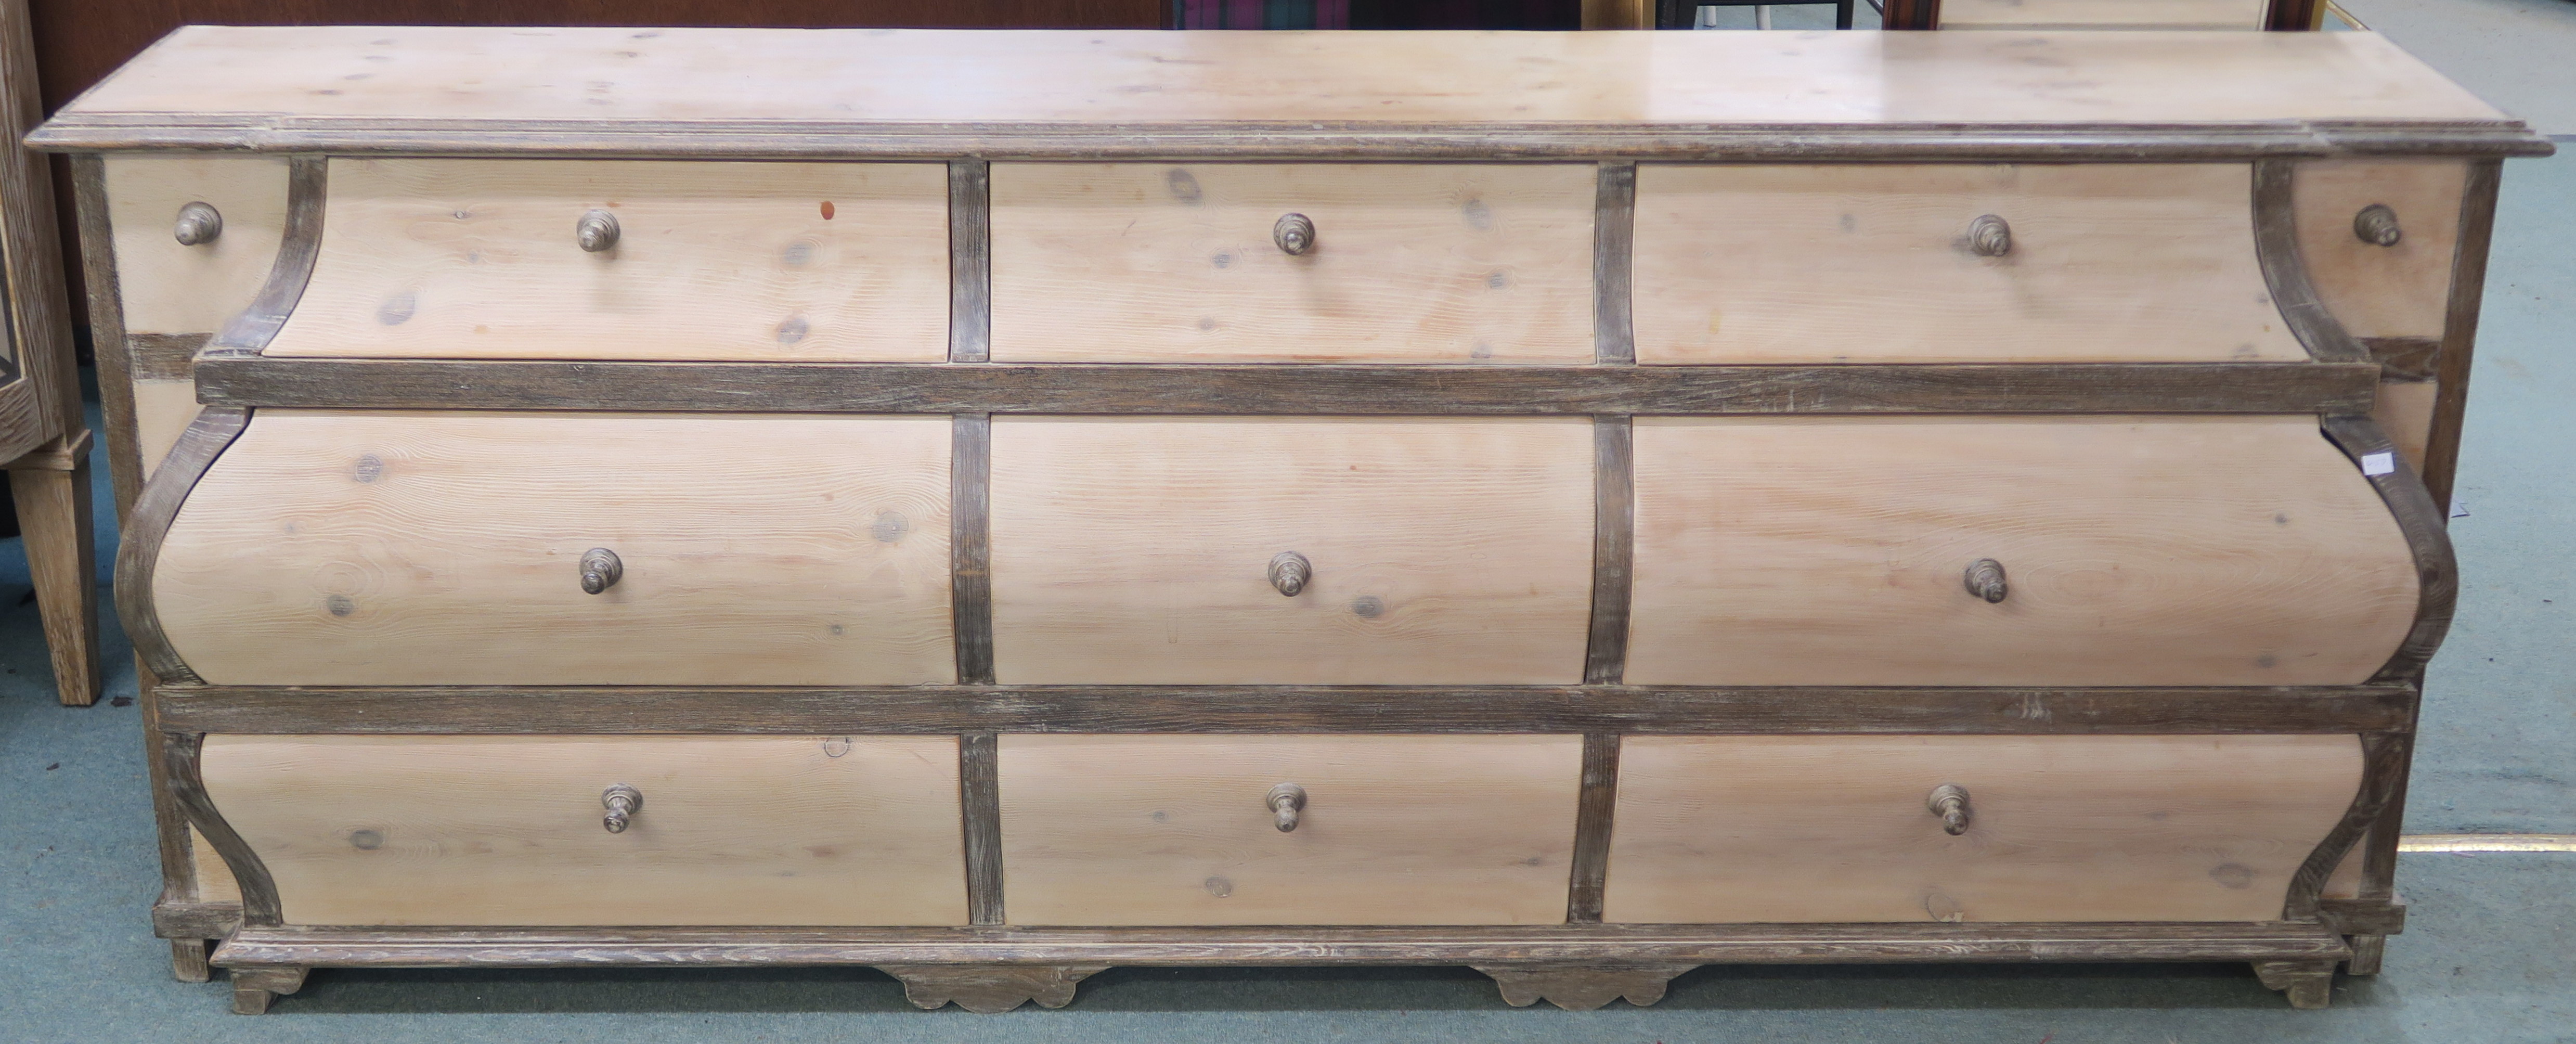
(993, 507)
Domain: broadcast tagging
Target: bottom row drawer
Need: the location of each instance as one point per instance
(1187, 830)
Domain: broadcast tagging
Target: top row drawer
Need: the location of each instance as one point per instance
(1452, 263)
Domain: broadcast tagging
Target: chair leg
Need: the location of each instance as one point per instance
(54, 513)
(1843, 14)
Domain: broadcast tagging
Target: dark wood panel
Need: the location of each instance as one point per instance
(2285, 270)
(936, 709)
(1593, 812)
(2460, 329)
(180, 756)
(252, 381)
(979, 783)
(139, 548)
(2383, 776)
(1590, 943)
(2437, 571)
(1614, 536)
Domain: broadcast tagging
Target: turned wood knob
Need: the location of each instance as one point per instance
(1294, 233)
(1285, 801)
(1950, 802)
(1990, 236)
(1289, 572)
(198, 223)
(2377, 225)
(600, 570)
(1986, 580)
(623, 802)
(597, 231)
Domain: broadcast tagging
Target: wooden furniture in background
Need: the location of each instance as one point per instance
(1348, 511)
(44, 441)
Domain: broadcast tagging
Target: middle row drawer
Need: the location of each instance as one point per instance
(395, 548)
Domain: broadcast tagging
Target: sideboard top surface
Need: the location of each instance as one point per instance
(1095, 93)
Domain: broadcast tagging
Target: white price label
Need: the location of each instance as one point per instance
(2376, 464)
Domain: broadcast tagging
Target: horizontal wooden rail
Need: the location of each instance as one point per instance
(939, 709)
(251, 381)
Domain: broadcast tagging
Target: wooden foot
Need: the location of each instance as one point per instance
(188, 960)
(53, 512)
(254, 988)
(2366, 952)
(2309, 984)
(990, 988)
(1583, 987)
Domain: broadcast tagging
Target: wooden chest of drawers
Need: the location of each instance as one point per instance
(992, 507)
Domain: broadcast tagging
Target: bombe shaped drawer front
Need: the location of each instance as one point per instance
(401, 548)
(1325, 551)
(1247, 262)
(1873, 263)
(548, 259)
(1187, 830)
(2010, 551)
(599, 830)
(1970, 828)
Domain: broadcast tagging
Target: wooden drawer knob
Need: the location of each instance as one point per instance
(1950, 802)
(623, 802)
(2377, 225)
(1294, 233)
(597, 231)
(600, 570)
(198, 223)
(1289, 572)
(1285, 801)
(1990, 236)
(1986, 580)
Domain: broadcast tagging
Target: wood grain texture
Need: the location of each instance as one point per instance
(40, 393)
(2381, 291)
(88, 185)
(970, 546)
(1172, 830)
(2460, 329)
(183, 779)
(1400, 390)
(1135, 551)
(1493, 945)
(1240, 93)
(2098, 14)
(164, 357)
(2424, 523)
(1614, 237)
(1754, 264)
(395, 548)
(2382, 784)
(970, 261)
(990, 989)
(147, 527)
(1614, 524)
(215, 881)
(1593, 819)
(453, 258)
(53, 509)
(1583, 987)
(2139, 551)
(734, 830)
(981, 820)
(168, 288)
(1257, 709)
(161, 412)
(1834, 829)
(2285, 270)
(1410, 263)
(250, 330)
